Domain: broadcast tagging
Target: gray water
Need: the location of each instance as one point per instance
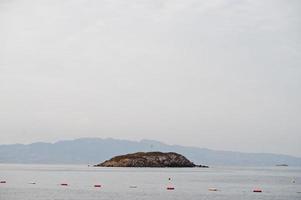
(191, 183)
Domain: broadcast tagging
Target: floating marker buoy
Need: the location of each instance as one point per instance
(212, 189)
(170, 185)
(98, 186)
(2, 181)
(257, 190)
(64, 184)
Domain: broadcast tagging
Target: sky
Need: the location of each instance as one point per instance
(219, 74)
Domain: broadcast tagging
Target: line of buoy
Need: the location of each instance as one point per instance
(169, 186)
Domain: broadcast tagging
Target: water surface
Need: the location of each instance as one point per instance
(233, 183)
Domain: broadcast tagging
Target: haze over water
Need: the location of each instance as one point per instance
(218, 74)
(233, 183)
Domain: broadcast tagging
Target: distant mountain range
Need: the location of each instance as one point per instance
(96, 150)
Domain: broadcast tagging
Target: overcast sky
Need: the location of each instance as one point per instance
(221, 74)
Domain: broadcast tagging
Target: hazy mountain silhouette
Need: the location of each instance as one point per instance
(96, 150)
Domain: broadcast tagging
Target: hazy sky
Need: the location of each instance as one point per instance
(221, 74)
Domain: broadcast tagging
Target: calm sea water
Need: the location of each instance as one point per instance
(233, 183)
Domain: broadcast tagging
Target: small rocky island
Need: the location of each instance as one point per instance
(149, 159)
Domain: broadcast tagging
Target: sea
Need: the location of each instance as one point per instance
(77, 182)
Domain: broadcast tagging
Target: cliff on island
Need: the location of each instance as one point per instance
(149, 159)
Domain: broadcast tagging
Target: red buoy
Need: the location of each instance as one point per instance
(64, 184)
(98, 186)
(2, 181)
(257, 190)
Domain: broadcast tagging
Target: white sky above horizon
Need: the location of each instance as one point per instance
(219, 74)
